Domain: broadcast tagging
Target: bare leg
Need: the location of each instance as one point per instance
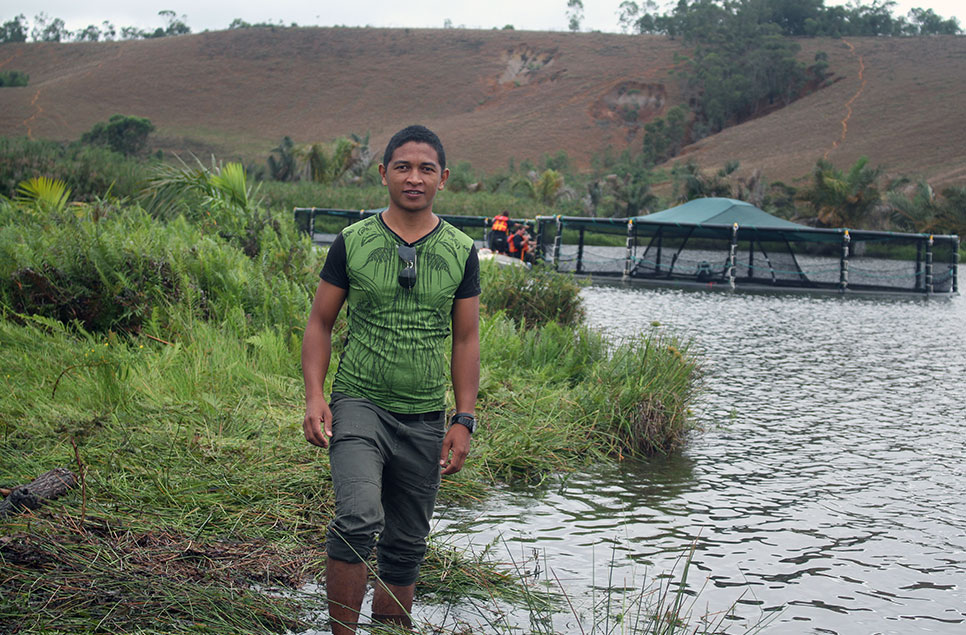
(345, 585)
(392, 604)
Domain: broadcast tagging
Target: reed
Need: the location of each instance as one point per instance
(659, 605)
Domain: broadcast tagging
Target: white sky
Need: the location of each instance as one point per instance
(535, 15)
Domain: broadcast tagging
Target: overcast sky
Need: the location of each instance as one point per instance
(537, 15)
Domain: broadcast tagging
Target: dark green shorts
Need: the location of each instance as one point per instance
(385, 473)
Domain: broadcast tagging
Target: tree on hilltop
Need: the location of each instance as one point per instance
(47, 29)
(14, 30)
(575, 14)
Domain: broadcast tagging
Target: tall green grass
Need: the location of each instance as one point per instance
(158, 357)
(129, 270)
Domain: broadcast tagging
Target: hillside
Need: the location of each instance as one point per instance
(492, 96)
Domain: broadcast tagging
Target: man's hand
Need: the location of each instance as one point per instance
(318, 423)
(456, 445)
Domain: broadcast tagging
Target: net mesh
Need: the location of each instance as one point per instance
(802, 257)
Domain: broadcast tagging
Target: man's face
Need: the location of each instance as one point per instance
(413, 176)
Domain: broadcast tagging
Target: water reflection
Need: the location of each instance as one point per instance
(828, 477)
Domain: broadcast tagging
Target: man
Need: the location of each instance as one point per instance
(498, 233)
(408, 280)
(519, 244)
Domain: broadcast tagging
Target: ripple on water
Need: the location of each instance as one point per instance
(827, 479)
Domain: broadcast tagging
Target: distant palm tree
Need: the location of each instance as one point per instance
(920, 213)
(548, 187)
(690, 183)
(283, 168)
(843, 199)
(953, 214)
(636, 196)
(331, 162)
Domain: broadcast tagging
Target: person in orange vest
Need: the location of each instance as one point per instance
(519, 243)
(497, 240)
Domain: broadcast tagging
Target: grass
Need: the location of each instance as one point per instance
(158, 359)
(187, 447)
(192, 454)
(197, 483)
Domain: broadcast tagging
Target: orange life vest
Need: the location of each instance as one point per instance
(512, 248)
(500, 223)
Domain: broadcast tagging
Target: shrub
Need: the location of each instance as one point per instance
(532, 297)
(14, 78)
(126, 134)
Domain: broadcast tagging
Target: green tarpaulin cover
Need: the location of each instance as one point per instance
(719, 212)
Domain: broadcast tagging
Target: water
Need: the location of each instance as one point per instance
(825, 489)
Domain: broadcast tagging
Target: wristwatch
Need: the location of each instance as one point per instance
(464, 419)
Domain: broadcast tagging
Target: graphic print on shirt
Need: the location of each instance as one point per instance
(394, 353)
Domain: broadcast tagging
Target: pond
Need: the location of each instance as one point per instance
(824, 488)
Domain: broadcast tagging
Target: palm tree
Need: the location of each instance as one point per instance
(284, 167)
(690, 183)
(918, 213)
(843, 199)
(331, 162)
(953, 210)
(548, 187)
(220, 192)
(635, 195)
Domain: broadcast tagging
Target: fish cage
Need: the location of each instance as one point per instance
(714, 243)
(725, 242)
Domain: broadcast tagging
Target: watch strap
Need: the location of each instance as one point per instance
(465, 419)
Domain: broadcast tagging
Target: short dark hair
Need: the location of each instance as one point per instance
(419, 134)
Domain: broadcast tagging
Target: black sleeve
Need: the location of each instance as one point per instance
(470, 286)
(333, 271)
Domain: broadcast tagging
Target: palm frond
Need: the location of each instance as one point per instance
(50, 194)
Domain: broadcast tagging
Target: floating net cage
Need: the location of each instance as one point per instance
(714, 242)
(736, 255)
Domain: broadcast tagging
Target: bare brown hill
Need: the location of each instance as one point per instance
(492, 95)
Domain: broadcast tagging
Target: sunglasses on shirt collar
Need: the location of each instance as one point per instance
(407, 276)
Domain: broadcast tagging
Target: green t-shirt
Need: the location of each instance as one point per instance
(394, 353)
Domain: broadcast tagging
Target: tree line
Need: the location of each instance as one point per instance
(795, 18)
(48, 29)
